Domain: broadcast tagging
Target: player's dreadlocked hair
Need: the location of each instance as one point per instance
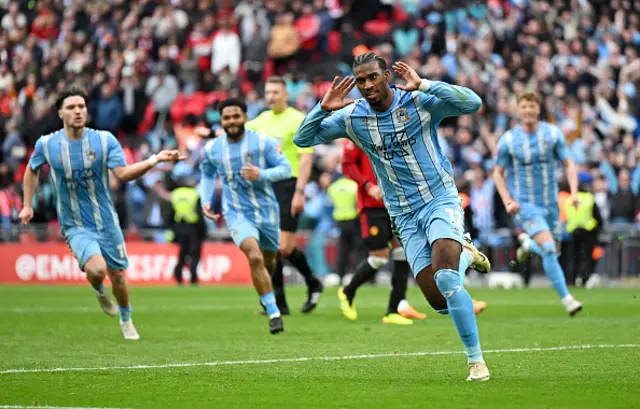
(367, 58)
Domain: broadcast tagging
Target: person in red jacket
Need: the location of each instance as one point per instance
(377, 235)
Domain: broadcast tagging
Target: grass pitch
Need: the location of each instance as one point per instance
(206, 348)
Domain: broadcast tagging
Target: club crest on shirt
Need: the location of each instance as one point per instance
(91, 155)
(402, 115)
(365, 121)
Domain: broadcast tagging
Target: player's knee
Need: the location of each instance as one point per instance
(117, 276)
(447, 281)
(256, 259)
(398, 254)
(549, 248)
(377, 262)
(96, 268)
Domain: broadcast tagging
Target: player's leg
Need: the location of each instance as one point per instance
(344, 249)
(540, 229)
(181, 240)
(115, 254)
(444, 224)
(86, 249)
(261, 253)
(195, 250)
(377, 245)
(288, 250)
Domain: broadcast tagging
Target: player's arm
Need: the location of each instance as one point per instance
(118, 165)
(278, 167)
(320, 126)
(561, 151)
(350, 168)
(502, 160)
(326, 121)
(439, 98)
(30, 182)
(207, 182)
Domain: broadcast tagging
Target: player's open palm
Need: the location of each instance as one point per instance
(26, 214)
(334, 99)
(408, 74)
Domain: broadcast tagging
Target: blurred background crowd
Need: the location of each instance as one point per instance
(155, 71)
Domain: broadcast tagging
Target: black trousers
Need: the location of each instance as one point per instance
(190, 242)
(581, 245)
(350, 242)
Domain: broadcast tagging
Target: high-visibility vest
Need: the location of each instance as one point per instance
(344, 195)
(185, 205)
(582, 217)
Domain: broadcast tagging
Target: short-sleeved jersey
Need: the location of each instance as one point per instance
(282, 127)
(402, 142)
(253, 200)
(530, 161)
(80, 174)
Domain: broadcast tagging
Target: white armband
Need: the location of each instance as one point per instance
(425, 84)
(153, 160)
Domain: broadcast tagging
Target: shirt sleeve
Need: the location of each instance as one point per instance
(115, 154)
(560, 148)
(503, 155)
(278, 167)
(208, 169)
(37, 157)
(443, 100)
(321, 127)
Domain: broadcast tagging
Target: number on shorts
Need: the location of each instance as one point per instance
(122, 250)
(453, 215)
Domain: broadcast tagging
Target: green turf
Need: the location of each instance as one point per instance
(54, 327)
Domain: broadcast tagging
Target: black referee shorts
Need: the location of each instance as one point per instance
(284, 190)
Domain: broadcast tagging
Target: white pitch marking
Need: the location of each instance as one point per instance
(318, 358)
(48, 407)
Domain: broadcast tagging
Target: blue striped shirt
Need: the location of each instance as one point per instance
(402, 143)
(530, 162)
(80, 174)
(253, 200)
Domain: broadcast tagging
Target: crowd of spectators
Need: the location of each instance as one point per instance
(155, 70)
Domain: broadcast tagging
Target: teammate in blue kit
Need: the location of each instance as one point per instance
(79, 160)
(396, 128)
(247, 163)
(529, 154)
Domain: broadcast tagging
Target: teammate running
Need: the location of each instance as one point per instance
(396, 128)
(528, 154)
(281, 123)
(247, 163)
(79, 160)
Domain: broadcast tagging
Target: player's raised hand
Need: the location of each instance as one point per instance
(334, 99)
(206, 209)
(26, 214)
(513, 208)
(170, 156)
(250, 172)
(409, 75)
